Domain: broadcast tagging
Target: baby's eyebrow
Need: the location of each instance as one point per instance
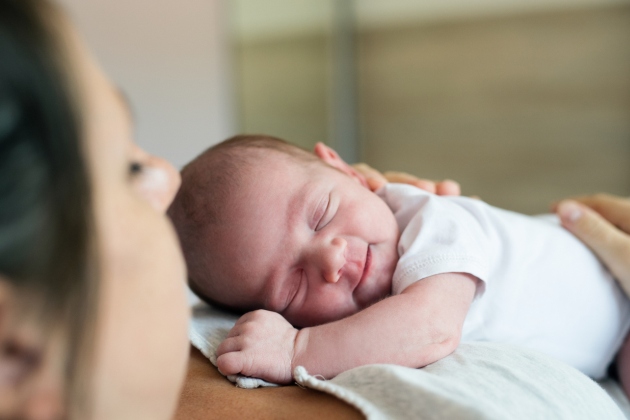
(304, 205)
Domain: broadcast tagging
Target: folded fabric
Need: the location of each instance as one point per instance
(479, 380)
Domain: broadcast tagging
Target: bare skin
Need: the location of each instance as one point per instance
(252, 342)
(602, 221)
(263, 344)
(315, 280)
(141, 340)
(375, 180)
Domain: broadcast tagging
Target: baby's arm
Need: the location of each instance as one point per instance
(418, 327)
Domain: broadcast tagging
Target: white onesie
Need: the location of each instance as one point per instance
(540, 287)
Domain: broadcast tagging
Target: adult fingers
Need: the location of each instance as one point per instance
(405, 178)
(374, 178)
(610, 244)
(614, 209)
(445, 187)
(448, 187)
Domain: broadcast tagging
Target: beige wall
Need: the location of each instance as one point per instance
(283, 88)
(522, 109)
(258, 19)
(171, 59)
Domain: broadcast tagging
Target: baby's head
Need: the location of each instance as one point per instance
(267, 225)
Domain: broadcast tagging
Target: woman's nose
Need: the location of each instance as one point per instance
(160, 182)
(333, 259)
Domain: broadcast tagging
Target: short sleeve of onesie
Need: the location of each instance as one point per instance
(438, 235)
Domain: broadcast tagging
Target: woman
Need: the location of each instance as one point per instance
(92, 279)
(93, 315)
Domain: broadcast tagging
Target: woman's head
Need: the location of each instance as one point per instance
(45, 213)
(92, 302)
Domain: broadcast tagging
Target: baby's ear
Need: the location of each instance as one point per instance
(331, 157)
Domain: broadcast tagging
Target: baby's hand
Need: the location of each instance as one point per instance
(260, 345)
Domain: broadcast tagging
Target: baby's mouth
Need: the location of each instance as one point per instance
(366, 266)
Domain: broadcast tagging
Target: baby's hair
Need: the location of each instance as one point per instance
(199, 210)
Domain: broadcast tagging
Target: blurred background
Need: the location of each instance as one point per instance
(521, 102)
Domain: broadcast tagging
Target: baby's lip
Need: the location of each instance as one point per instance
(366, 267)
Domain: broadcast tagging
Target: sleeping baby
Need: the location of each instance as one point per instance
(333, 276)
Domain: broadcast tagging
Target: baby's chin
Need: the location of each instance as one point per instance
(309, 320)
(382, 285)
(378, 295)
(379, 290)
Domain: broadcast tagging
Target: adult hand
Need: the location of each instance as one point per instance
(259, 345)
(602, 222)
(376, 180)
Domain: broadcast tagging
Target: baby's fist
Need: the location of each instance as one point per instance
(259, 345)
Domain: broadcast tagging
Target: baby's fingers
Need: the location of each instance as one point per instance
(241, 324)
(236, 330)
(405, 178)
(374, 178)
(245, 318)
(229, 345)
(231, 363)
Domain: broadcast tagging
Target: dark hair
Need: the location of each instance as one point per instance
(45, 204)
(199, 207)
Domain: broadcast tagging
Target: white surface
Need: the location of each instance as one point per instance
(171, 60)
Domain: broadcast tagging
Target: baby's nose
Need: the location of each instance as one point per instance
(335, 260)
(331, 277)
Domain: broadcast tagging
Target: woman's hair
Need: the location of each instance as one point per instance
(46, 232)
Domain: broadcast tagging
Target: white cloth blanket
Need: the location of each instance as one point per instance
(478, 381)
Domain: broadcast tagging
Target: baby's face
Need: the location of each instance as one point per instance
(307, 241)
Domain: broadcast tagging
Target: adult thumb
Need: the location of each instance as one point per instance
(609, 243)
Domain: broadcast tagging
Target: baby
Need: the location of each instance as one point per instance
(398, 276)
